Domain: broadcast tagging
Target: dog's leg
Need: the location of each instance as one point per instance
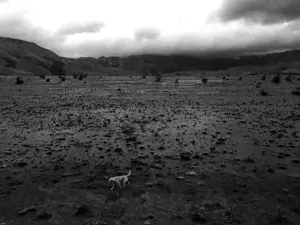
(113, 186)
(119, 184)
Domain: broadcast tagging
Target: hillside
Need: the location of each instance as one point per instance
(22, 57)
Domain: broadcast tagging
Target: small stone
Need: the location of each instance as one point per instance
(44, 216)
(185, 156)
(199, 217)
(249, 160)
(297, 208)
(26, 210)
(20, 164)
(191, 173)
(81, 210)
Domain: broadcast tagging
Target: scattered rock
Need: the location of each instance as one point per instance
(296, 161)
(44, 215)
(199, 217)
(81, 210)
(297, 208)
(27, 210)
(20, 164)
(191, 173)
(185, 156)
(180, 178)
(249, 160)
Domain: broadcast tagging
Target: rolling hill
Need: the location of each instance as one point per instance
(22, 57)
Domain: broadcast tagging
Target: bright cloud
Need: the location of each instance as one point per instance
(121, 27)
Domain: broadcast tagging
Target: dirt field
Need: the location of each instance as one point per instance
(215, 153)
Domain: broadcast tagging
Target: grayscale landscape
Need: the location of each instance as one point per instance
(209, 136)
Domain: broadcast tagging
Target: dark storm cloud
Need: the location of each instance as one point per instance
(75, 28)
(260, 11)
(146, 33)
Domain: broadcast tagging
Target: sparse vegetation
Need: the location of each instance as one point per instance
(156, 74)
(297, 91)
(289, 78)
(19, 81)
(263, 93)
(62, 78)
(204, 80)
(276, 79)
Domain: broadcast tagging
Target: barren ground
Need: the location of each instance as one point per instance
(216, 153)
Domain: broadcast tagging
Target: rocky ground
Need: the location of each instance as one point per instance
(215, 153)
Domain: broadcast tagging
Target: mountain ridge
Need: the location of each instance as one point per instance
(22, 57)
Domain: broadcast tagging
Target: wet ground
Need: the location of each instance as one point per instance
(215, 153)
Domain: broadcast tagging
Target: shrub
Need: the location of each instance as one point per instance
(276, 79)
(80, 77)
(296, 92)
(264, 77)
(47, 80)
(42, 76)
(62, 78)
(19, 81)
(156, 73)
(204, 80)
(75, 75)
(240, 78)
(263, 93)
(288, 78)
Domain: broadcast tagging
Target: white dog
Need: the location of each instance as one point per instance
(119, 179)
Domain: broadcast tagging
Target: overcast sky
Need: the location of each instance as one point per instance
(120, 27)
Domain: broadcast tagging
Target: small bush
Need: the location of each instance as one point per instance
(62, 78)
(264, 77)
(288, 78)
(80, 77)
(296, 92)
(42, 76)
(204, 80)
(263, 93)
(19, 81)
(240, 78)
(75, 75)
(47, 80)
(276, 79)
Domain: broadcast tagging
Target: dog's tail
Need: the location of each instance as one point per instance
(129, 173)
